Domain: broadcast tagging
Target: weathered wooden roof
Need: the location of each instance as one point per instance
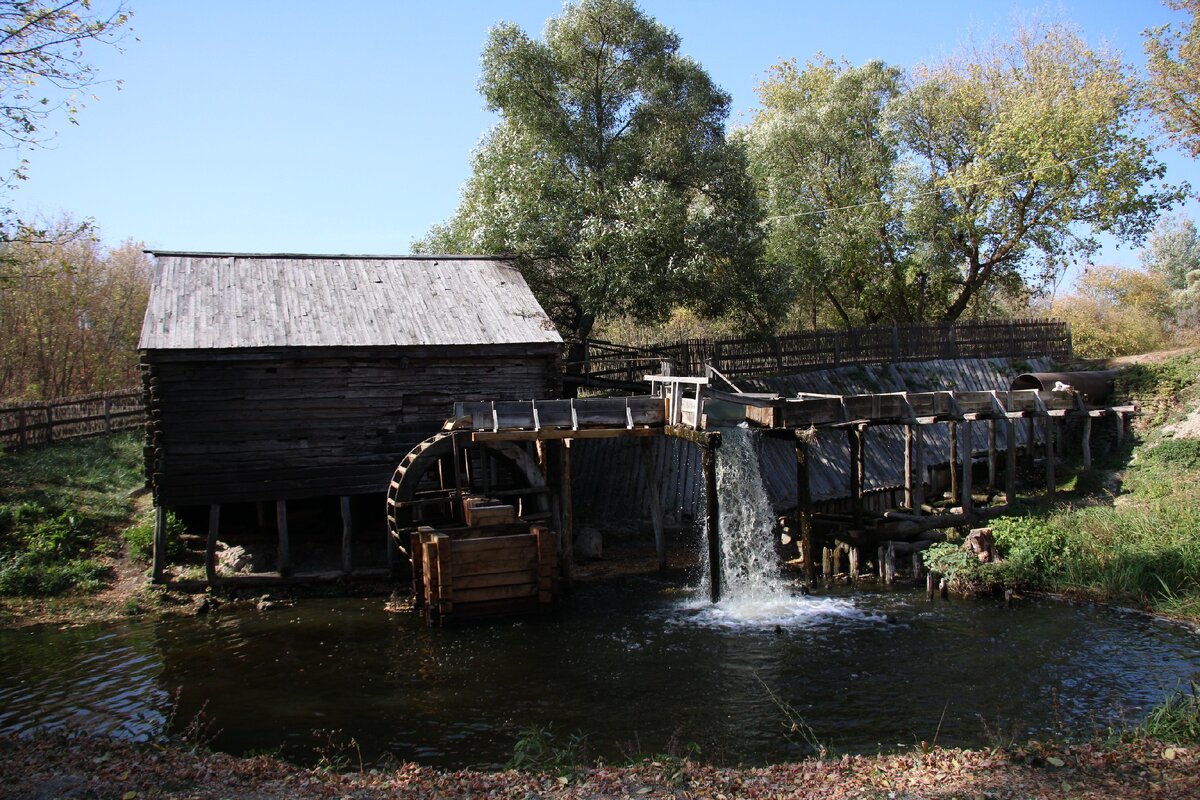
(245, 300)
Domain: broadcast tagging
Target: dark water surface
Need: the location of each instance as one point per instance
(635, 667)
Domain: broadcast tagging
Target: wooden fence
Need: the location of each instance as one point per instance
(33, 424)
(605, 362)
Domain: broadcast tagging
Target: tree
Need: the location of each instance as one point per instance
(974, 178)
(1116, 311)
(70, 315)
(609, 176)
(1173, 58)
(42, 68)
(1173, 250)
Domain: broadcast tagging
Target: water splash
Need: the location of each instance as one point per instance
(753, 589)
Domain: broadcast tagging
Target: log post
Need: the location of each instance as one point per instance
(804, 507)
(1086, 443)
(965, 443)
(23, 437)
(283, 560)
(210, 547)
(347, 529)
(993, 454)
(656, 510)
(918, 469)
(908, 466)
(854, 557)
(931, 580)
(1010, 461)
(854, 437)
(566, 536)
(954, 468)
(107, 415)
(890, 563)
(1030, 443)
(160, 543)
(712, 522)
(827, 563)
(1051, 483)
(918, 565)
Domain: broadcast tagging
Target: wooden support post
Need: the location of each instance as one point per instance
(967, 502)
(566, 536)
(160, 543)
(993, 455)
(854, 556)
(908, 466)
(1030, 443)
(880, 554)
(712, 522)
(918, 566)
(23, 436)
(890, 563)
(1086, 443)
(445, 574)
(283, 561)
(347, 529)
(804, 507)
(854, 437)
(918, 469)
(931, 581)
(1010, 461)
(954, 458)
(107, 415)
(1120, 416)
(210, 548)
(656, 510)
(827, 563)
(1048, 432)
(260, 515)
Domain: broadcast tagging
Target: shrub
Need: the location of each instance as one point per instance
(140, 538)
(34, 575)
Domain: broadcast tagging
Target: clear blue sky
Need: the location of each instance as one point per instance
(264, 125)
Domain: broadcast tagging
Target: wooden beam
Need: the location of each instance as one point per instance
(953, 455)
(546, 434)
(1010, 461)
(918, 469)
(706, 439)
(1086, 443)
(347, 529)
(967, 502)
(854, 437)
(567, 534)
(908, 466)
(210, 548)
(1048, 433)
(993, 454)
(284, 558)
(656, 511)
(160, 543)
(712, 522)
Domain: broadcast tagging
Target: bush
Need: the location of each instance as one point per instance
(140, 538)
(34, 575)
(1175, 720)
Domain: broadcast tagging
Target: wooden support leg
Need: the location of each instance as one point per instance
(855, 439)
(993, 455)
(1086, 443)
(712, 523)
(954, 460)
(1051, 483)
(918, 469)
(160, 543)
(804, 509)
(931, 582)
(262, 516)
(967, 503)
(284, 558)
(827, 563)
(889, 571)
(210, 549)
(656, 510)
(1010, 461)
(880, 554)
(1030, 443)
(854, 565)
(918, 566)
(347, 529)
(908, 466)
(1120, 428)
(566, 536)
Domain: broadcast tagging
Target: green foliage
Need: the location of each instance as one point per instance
(915, 197)
(139, 538)
(1172, 454)
(539, 749)
(1116, 312)
(59, 505)
(1173, 59)
(1175, 720)
(609, 175)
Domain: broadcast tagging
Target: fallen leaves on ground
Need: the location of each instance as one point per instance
(52, 766)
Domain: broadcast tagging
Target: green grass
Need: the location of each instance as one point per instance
(1143, 550)
(60, 507)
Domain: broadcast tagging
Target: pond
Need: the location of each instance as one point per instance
(638, 666)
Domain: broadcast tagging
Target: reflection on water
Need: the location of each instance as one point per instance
(634, 666)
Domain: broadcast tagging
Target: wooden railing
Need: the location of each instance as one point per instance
(34, 424)
(605, 362)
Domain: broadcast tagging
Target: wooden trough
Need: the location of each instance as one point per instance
(470, 573)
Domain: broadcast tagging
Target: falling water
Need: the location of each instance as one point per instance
(753, 590)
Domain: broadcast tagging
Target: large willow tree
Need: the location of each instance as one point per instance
(609, 175)
(922, 197)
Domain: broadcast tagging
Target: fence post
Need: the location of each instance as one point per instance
(895, 343)
(107, 415)
(49, 424)
(22, 439)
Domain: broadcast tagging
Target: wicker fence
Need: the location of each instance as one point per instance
(743, 357)
(33, 424)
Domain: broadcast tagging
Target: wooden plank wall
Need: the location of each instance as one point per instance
(242, 426)
(40, 423)
(608, 479)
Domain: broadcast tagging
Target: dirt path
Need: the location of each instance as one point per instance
(51, 767)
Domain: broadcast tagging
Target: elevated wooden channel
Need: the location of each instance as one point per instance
(691, 409)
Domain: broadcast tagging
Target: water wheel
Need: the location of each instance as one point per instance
(435, 475)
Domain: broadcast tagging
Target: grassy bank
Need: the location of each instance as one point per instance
(1129, 532)
(62, 510)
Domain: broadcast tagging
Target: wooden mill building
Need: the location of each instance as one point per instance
(277, 377)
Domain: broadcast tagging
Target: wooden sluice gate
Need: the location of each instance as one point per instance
(691, 409)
